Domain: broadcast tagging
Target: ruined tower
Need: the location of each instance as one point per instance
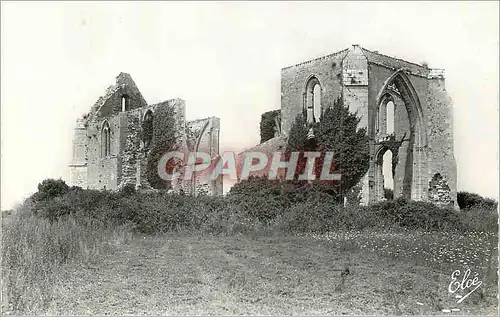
(110, 148)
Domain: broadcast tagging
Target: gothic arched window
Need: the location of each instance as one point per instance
(312, 101)
(389, 117)
(105, 140)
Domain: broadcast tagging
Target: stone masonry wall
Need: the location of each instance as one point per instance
(103, 172)
(440, 128)
(422, 141)
(78, 165)
(111, 103)
(294, 79)
(355, 94)
(127, 161)
(130, 147)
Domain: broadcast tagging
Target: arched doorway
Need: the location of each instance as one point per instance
(384, 174)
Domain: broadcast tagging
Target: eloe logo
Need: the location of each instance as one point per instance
(466, 283)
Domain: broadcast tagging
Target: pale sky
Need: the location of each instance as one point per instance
(224, 59)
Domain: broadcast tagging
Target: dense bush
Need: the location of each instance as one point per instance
(468, 200)
(388, 193)
(268, 124)
(480, 219)
(257, 202)
(254, 185)
(164, 140)
(416, 215)
(51, 188)
(337, 132)
(127, 190)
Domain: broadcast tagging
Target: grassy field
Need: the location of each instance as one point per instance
(98, 253)
(186, 274)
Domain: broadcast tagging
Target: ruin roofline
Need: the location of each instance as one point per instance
(377, 58)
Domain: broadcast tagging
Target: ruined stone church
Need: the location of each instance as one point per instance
(403, 105)
(110, 149)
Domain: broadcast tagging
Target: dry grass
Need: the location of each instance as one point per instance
(34, 250)
(88, 267)
(232, 275)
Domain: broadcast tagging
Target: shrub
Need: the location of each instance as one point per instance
(468, 200)
(51, 188)
(388, 193)
(253, 185)
(416, 215)
(128, 190)
(480, 219)
(256, 203)
(303, 218)
(268, 121)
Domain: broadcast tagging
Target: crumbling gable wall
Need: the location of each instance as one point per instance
(111, 103)
(125, 160)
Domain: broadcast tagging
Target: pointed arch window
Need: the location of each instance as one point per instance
(312, 100)
(105, 140)
(317, 102)
(385, 121)
(389, 108)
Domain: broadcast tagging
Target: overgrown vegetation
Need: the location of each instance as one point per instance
(336, 132)
(269, 124)
(467, 201)
(164, 140)
(254, 202)
(388, 193)
(34, 248)
(147, 129)
(58, 225)
(51, 188)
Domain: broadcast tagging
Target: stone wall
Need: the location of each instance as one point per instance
(294, 79)
(440, 129)
(127, 160)
(422, 141)
(103, 171)
(111, 103)
(130, 147)
(78, 165)
(355, 84)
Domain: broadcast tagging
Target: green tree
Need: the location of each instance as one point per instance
(298, 135)
(268, 124)
(336, 132)
(51, 188)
